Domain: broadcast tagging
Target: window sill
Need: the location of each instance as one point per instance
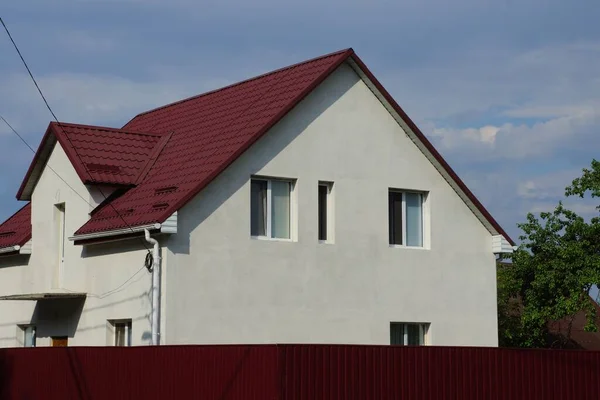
(268, 239)
(401, 246)
(325, 242)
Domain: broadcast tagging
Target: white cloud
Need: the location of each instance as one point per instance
(576, 132)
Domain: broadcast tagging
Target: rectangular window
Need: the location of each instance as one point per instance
(270, 208)
(406, 218)
(61, 239)
(325, 215)
(122, 332)
(29, 338)
(408, 334)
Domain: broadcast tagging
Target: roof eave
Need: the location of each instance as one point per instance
(169, 226)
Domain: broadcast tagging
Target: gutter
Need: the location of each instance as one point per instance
(169, 226)
(10, 249)
(25, 249)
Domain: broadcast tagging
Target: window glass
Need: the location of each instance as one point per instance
(280, 209)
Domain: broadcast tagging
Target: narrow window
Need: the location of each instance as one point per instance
(29, 338)
(270, 208)
(325, 226)
(405, 218)
(395, 217)
(414, 219)
(122, 332)
(408, 334)
(258, 207)
(61, 241)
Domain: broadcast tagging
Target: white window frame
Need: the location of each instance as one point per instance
(114, 324)
(424, 219)
(330, 221)
(269, 181)
(424, 328)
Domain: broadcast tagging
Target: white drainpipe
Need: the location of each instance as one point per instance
(155, 288)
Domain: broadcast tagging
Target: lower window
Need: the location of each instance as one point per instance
(122, 332)
(408, 334)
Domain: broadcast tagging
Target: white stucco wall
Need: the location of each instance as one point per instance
(225, 287)
(96, 270)
(222, 286)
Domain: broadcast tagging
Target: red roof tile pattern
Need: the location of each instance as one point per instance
(109, 156)
(16, 231)
(208, 133)
(99, 155)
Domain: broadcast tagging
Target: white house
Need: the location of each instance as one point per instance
(299, 206)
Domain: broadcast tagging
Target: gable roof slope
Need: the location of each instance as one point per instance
(210, 131)
(99, 155)
(16, 230)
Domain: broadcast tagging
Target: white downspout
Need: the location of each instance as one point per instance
(155, 288)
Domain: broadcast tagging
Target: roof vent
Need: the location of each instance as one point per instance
(165, 190)
(6, 234)
(93, 167)
(160, 205)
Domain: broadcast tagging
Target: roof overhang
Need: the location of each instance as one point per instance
(25, 249)
(501, 246)
(169, 227)
(45, 296)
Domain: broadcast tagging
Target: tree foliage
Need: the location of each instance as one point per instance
(552, 271)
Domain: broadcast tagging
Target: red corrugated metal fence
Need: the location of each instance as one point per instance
(294, 372)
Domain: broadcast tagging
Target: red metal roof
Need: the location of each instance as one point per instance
(100, 155)
(206, 134)
(16, 231)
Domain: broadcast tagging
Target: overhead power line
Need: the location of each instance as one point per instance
(47, 165)
(60, 126)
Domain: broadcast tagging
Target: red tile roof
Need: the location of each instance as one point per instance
(16, 231)
(206, 133)
(99, 155)
(209, 132)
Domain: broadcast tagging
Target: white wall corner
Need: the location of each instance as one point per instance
(170, 224)
(500, 245)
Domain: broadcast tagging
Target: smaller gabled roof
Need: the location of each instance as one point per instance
(99, 155)
(16, 230)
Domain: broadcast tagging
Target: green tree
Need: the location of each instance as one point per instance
(552, 271)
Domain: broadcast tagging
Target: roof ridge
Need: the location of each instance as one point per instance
(349, 49)
(108, 129)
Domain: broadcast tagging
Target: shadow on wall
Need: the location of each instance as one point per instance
(17, 260)
(111, 248)
(256, 158)
(57, 317)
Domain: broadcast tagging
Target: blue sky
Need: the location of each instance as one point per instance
(508, 91)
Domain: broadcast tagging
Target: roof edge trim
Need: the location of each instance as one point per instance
(238, 83)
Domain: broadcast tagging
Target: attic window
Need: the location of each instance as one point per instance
(103, 168)
(160, 205)
(6, 234)
(165, 190)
